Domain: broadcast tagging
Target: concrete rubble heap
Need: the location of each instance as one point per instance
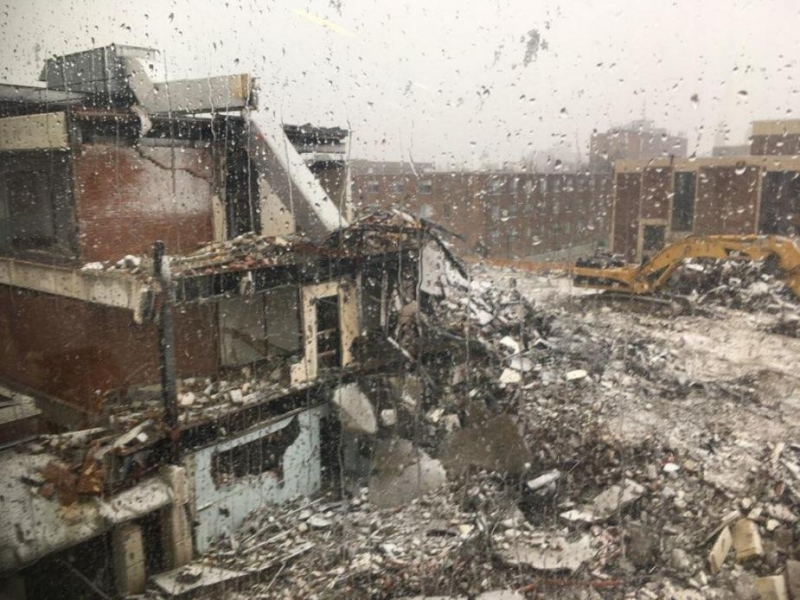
(632, 462)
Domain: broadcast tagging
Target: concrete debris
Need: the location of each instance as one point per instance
(558, 555)
(772, 588)
(514, 448)
(793, 578)
(720, 550)
(545, 480)
(640, 448)
(576, 375)
(742, 285)
(403, 472)
(495, 444)
(510, 375)
(389, 417)
(608, 503)
(746, 540)
(355, 409)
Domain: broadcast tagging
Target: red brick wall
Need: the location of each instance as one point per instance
(656, 189)
(72, 349)
(124, 200)
(510, 215)
(626, 214)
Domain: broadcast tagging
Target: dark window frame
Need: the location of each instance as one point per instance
(684, 198)
(52, 173)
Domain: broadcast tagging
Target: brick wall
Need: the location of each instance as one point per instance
(126, 198)
(76, 351)
(508, 215)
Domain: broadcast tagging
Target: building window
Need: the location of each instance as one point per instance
(447, 210)
(514, 185)
(373, 186)
(35, 207)
(543, 184)
(683, 201)
(264, 455)
(654, 236)
(495, 213)
(496, 187)
(425, 186)
(397, 186)
(529, 187)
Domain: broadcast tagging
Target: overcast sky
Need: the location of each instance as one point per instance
(449, 80)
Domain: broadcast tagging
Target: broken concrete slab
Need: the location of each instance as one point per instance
(403, 472)
(188, 580)
(494, 444)
(772, 588)
(746, 540)
(616, 498)
(719, 552)
(521, 363)
(355, 409)
(510, 344)
(606, 504)
(559, 555)
(510, 375)
(576, 374)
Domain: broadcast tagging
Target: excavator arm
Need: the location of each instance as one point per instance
(653, 275)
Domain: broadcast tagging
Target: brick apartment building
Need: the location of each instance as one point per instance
(500, 214)
(638, 140)
(658, 201)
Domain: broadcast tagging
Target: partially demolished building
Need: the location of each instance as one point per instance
(181, 295)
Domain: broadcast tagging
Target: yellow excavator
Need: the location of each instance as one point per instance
(653, 275)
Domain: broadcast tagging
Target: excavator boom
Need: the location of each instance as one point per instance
(654, 274)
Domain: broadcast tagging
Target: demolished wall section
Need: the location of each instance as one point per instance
(77, 351)
(128, 197)
(221, 509)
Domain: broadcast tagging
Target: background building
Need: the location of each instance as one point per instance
(638, 140)
(501, 214)
(659, 201)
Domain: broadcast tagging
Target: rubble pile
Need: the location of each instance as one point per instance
(743, 285)
(556, 450)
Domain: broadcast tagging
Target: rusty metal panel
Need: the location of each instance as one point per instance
(45, 131)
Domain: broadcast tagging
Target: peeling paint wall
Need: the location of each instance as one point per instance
(223, 509)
